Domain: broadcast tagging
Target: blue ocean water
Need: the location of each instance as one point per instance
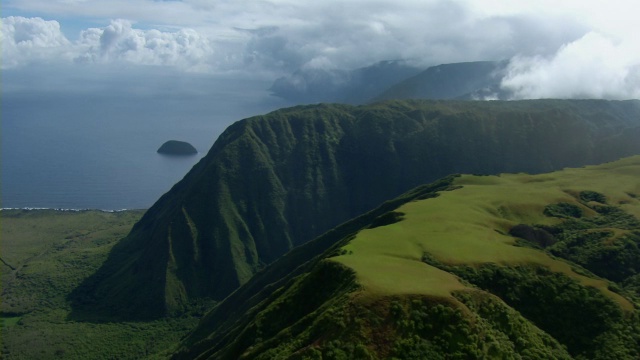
(98, 151)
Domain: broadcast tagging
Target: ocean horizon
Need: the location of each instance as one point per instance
(91, 151)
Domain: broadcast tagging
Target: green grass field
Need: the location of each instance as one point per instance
(50, 252)
(470, 226)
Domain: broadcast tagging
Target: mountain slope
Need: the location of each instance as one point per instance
(477, 80)
(316, 85)
(273, 182)
(389, 80)
(439, 276)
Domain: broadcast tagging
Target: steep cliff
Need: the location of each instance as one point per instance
(276, 181)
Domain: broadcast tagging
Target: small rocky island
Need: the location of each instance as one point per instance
(175, 147)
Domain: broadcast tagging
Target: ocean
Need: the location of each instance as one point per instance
(98, 151)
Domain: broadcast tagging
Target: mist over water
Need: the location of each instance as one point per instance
(98, 150)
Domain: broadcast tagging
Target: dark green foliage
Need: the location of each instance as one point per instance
(520, 334)
(484, 328)
(273, 182)
(607, 244)
(632, 286)
(535, 235)
(615, 260)
(443, 331)
(289, 310)
(589, 195)
(387, 219)
(563, 210)
(578, 317)
(335, 326)
(613, 216)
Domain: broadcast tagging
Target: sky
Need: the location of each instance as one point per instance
(564, 49)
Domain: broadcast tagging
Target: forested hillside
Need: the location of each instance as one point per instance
(276, 181)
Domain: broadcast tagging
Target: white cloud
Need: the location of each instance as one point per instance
(283, 35)
(271, 38)
(184, 49)
(594, 66)
(28, 40)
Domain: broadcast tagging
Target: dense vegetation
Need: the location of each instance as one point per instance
(602, 238)
(435, 274)
(277, 181)
(48, 254)
(323, 314)
(581, 318)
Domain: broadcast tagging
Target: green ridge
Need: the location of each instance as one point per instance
(471, 225)
(436, 275)
(274, 182)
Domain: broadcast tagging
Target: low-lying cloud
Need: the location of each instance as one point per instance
(594, 66)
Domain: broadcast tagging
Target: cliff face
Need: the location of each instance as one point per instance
(272, 182)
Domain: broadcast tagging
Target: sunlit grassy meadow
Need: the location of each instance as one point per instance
(470, 225)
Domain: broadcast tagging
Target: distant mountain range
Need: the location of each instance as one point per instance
(313, 85)
(478, 80)
(386, 80)
(274, 182)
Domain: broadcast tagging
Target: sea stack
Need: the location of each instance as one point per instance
(175, 147)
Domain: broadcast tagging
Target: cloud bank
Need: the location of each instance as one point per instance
(282, 36)
(594, 66)
(554, 46)
(119, 41)
(27, 41)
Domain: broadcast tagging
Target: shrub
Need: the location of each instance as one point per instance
(563, 210)
(588, 195)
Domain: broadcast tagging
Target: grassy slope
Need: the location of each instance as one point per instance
(471, 225)
(420, 287)
(51, 252)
